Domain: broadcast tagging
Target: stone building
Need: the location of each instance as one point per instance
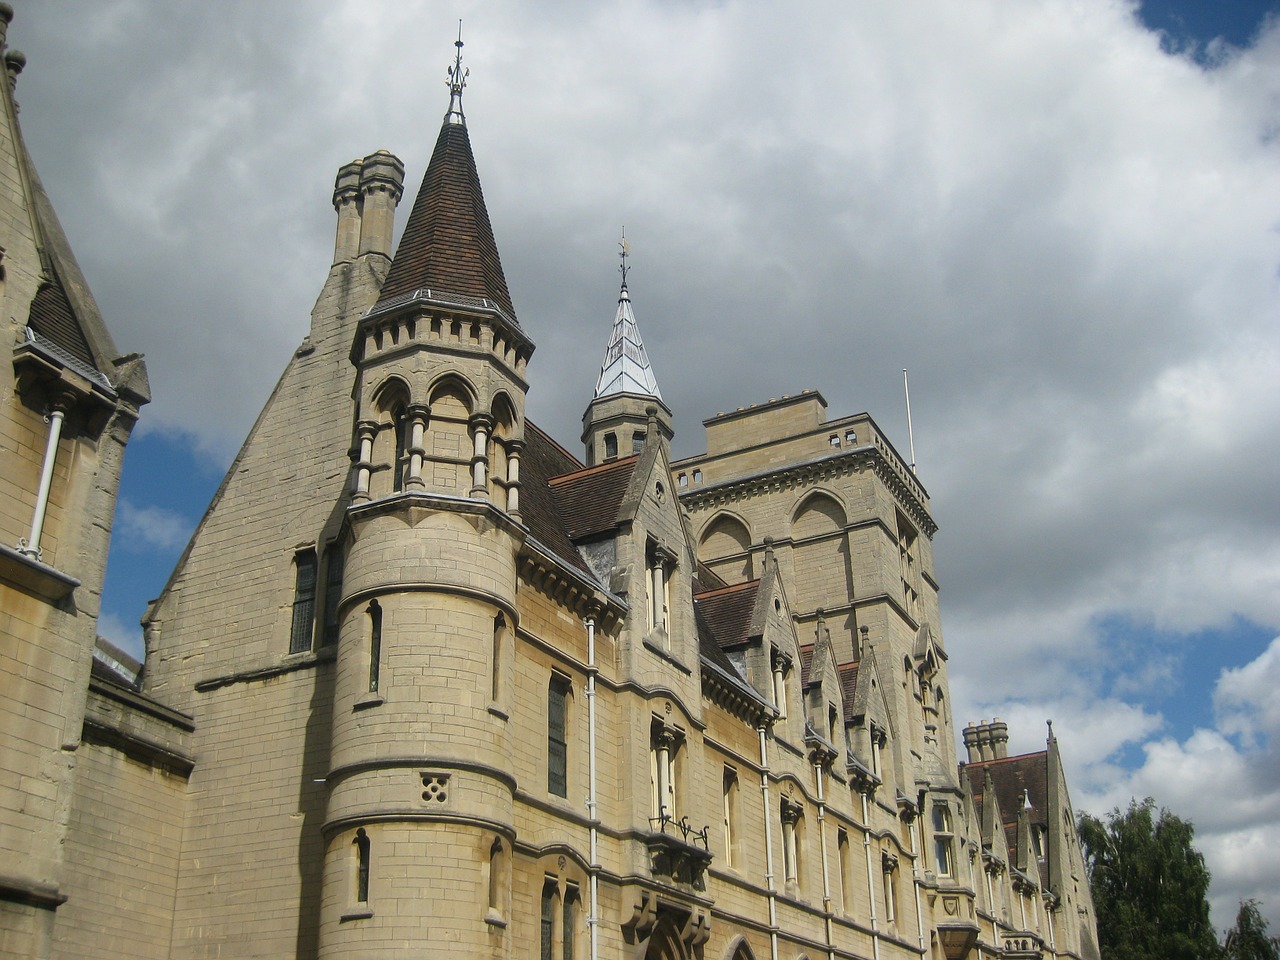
(68, 402)
(425, 681)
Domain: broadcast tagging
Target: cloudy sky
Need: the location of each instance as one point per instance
(1063, 217)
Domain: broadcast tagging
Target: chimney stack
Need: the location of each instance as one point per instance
(987, 741)
(381, 187)
(346, 200)
(998, 737)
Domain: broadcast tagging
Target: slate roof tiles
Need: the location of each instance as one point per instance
(590, 498)
(448, 242)
(1015, 779)
(727, 612)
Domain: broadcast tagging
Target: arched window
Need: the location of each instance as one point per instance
(361, 850)
(844, 859)
(731, 815)
(304, 601)
(400, 431)
(375, 645)
(824, 572)
(499, 880)
(569, 924)
(559, 692)
(501, 659)
(726, 546)
(547, 921)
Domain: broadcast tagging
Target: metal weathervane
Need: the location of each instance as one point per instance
(622, 255)
(457, 81)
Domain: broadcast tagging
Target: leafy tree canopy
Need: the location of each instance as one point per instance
(1248, 939)
(1150, 886)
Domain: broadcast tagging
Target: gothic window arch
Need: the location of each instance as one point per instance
(391, 402)
(725, 544)
(820, 552)
(499, 880)
(503, 451)
(559, 720)
(449, 445)
(665, 942)
(362, 865)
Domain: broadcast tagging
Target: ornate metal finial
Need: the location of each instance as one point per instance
(622, 255)
(456, 82)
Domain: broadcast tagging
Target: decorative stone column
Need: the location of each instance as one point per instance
(417, 416)
(365, 431)
(514, 449)
(480, 427)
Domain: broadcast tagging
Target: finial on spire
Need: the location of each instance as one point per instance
(622, 255)
(456, 83)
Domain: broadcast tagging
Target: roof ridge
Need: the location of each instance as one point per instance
(529, 424)
(1020, 756)
(719, 591)
(591, 471)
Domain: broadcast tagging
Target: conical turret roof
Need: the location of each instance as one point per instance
(626, 367)
(447, 245)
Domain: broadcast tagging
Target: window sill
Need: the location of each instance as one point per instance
(364, 913)
(494, 919)
(498, 712)
(369, 700)
(664, 654)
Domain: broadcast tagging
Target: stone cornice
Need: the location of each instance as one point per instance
(539, 566)
(905, 489)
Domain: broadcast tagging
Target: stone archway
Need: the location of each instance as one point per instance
(665, 942)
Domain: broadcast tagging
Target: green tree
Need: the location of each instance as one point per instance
(1149, 885)
(1248, 939)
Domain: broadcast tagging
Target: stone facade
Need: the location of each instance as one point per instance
(424, 681)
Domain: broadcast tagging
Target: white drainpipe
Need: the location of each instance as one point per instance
(31, 546)
(768, 845)
(593, 921)
(915, 878)
(822, 841)
(871, 877)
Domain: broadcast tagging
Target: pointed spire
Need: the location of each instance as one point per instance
(626, 367)
(448, 246)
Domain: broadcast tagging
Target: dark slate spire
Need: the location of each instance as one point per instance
(448, 244)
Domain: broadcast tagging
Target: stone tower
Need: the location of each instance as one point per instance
(421, 754)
